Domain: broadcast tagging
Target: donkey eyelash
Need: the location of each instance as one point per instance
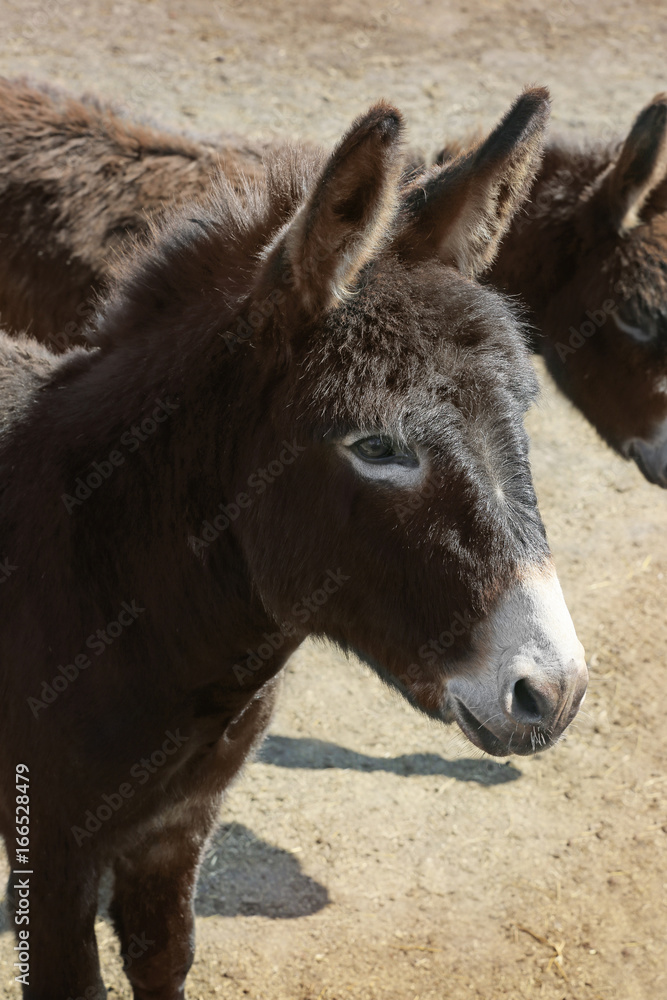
(364, 433)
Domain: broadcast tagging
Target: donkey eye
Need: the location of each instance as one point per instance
(380, 448)
(374, 449)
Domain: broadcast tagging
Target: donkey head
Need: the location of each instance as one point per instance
(401, 385)
(618, 377)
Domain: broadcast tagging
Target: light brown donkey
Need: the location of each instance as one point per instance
(77, 182)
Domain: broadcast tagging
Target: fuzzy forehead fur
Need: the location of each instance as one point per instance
(410, 342)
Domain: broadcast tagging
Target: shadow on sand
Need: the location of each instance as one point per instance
(311, 754)
(243, 875)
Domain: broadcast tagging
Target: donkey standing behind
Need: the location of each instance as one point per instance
(385, 373)
(77, 181)
(589, 256)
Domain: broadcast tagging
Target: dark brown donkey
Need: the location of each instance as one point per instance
(302, 417)
(589, 257)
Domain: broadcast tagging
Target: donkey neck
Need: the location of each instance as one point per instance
(123, 455)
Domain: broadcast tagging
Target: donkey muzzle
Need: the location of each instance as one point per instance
(529, 674)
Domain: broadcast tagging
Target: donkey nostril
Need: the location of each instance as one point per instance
(528, 704)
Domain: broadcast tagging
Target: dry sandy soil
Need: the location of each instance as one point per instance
(368, 853)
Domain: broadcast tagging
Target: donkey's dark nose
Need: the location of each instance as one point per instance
(532, 703)
(547, 696)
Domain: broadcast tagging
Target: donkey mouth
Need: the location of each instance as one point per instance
(652, 468)
(477, 732)
(521, 743)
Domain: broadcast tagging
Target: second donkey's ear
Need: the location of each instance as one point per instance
(460, 211)
(641, 166)
(344, 220)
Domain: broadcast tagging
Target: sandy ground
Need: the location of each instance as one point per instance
(368, 853)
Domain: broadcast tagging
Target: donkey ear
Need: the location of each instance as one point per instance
(641, 166)
(348, 213)
(460, 211)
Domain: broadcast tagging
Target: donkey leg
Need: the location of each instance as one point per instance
(62, 899)
(153, 903)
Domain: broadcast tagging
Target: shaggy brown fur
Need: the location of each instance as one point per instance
(182, 505)
(77, 181)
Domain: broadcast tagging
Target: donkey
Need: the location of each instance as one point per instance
(589, 257)
(77, 182)
(302, 416)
